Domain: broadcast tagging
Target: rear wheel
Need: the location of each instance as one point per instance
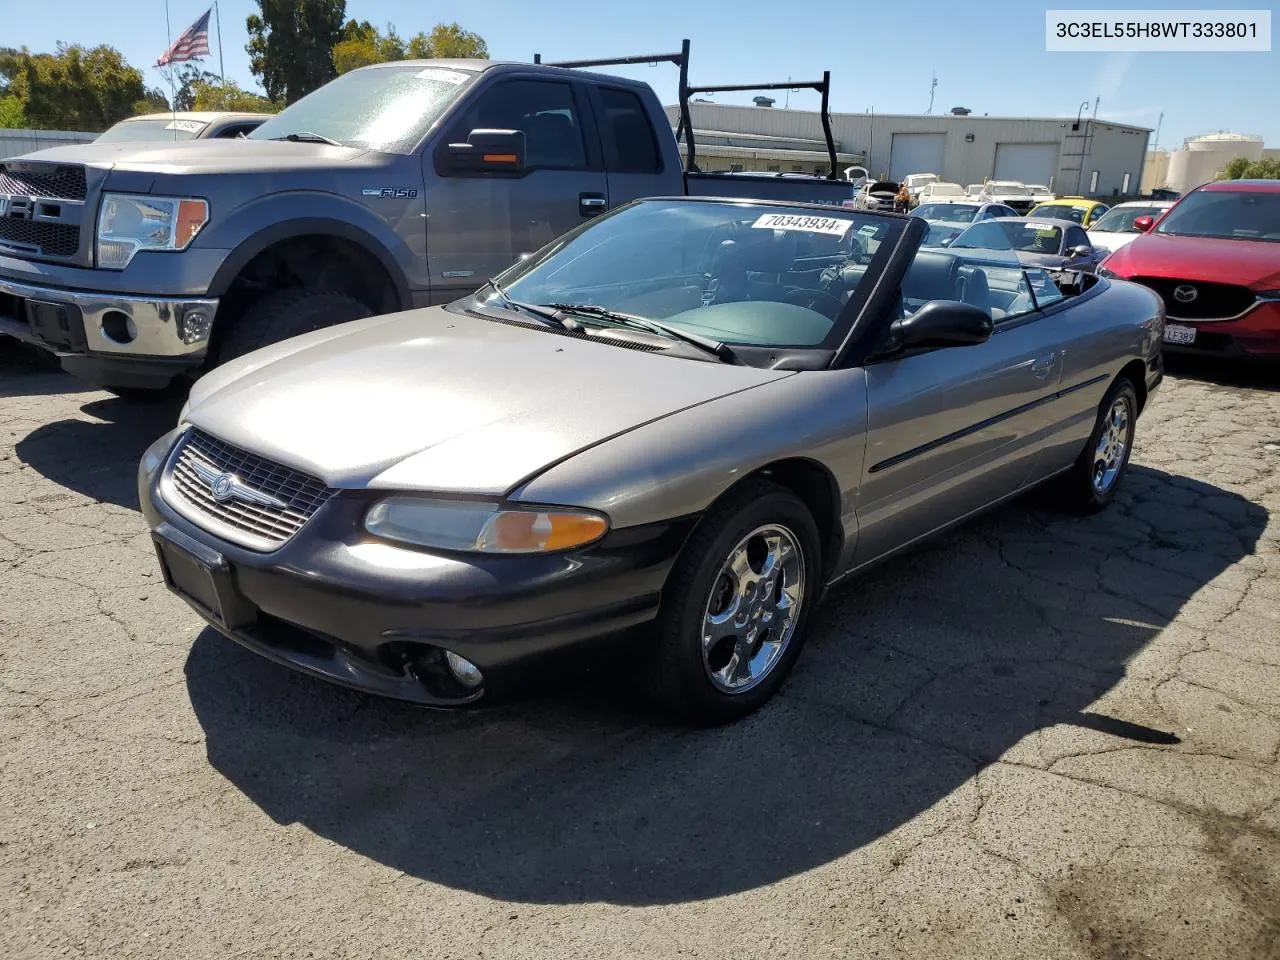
(1092, 482)
(284, 314)
(736, 606)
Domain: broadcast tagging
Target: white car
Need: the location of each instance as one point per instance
(941, 192)
(915, 182)
(1115, 227)
(1040, 193)
(973, 191)
(1009, 192)
(877, 195)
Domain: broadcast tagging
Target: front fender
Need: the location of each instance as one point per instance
(397, 240)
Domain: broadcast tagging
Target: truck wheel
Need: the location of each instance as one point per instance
(284, 314)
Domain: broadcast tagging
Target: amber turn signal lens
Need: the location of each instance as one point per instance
(519, 531)
(192, 215)
(499, 158)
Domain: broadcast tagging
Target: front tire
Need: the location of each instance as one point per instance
(284, 314)
(736, 606)
(1092, 482)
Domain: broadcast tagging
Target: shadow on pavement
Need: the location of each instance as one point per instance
(28, 372)
(99, 459)
(1239, 372)
(917, 676)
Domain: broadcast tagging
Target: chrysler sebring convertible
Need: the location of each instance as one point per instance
(660, 438)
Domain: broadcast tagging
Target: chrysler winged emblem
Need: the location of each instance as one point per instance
(227, 486)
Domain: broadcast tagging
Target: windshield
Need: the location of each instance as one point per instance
(1059, 211)
(738, 273)
(1230, 214)
(956, 212)
(381, 108)
(1008, 189)
(161, 128)
(1120, 219)
(940, 230)
(1021, 235)
(945, 190)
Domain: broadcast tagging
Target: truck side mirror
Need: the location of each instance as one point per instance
(487, 151)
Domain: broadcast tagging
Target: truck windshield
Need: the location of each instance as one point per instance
(738, 273)
(387, 108)
(159, 129)
(1229, 214)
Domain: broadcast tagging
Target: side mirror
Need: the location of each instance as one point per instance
(1080, 252)
(943, 323)
(488, 151)
(1143, 224)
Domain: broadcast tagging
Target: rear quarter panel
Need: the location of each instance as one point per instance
(679, 465)
(1101, 332)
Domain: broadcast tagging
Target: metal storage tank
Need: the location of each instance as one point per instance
(1200, 158)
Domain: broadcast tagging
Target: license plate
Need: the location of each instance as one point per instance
(1175, 333)
(202, 577)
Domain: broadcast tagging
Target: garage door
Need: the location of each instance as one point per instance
(1026, 162)
(916, 153)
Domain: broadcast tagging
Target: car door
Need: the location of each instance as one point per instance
(632, 157)
(480, 222)
(953, 430)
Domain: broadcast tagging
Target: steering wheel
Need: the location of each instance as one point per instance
(815, 300)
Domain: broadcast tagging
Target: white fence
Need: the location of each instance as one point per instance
(14, 143)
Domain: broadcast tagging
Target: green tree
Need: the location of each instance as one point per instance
(77, 88)
(448, 41)
(11, 113)
(214, 95)
(1242, 168)
(362, 44)
(291, 45)
(184, 82)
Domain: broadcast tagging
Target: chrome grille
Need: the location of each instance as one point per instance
(1213, 301)
(48, 239)
(249, 523)
(47, 180)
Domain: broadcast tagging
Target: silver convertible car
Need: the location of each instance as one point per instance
(662, 437)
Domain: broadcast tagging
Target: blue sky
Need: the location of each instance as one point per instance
(750, 40)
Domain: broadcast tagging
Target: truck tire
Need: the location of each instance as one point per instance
(284, 314)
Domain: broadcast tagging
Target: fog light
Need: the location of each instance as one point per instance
(196, 325)
(118, 327)
(464, 671)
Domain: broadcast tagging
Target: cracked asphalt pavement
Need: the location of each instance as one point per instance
(1038, 737)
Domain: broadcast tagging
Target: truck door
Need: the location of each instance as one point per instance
(479, 223)
(632, 156)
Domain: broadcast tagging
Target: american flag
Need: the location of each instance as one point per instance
(193, 43)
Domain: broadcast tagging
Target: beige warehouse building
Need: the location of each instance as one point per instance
(1095, 158)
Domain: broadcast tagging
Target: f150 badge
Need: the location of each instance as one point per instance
(389, 193)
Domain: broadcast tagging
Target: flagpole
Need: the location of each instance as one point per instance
(173, 91)
(217, 16)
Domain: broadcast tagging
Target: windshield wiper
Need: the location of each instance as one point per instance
(306, 136)
(550, 316)
(714, 347)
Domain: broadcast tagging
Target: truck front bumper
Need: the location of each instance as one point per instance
(110, 338)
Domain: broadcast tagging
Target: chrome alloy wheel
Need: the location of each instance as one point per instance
(1113, 443)
(753, 608)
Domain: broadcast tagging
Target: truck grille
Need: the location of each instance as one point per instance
(60, 240)
(255, 525)
(1213, 301)
(47, 180)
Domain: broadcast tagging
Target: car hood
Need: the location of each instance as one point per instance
(201, 156)
(1247, 263)
(438, 400)
(1108, 240)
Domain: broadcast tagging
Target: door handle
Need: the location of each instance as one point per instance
(589, 204)
(1042, 367)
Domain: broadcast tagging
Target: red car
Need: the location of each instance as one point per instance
(1214, 258)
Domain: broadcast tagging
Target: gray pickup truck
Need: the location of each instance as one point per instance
(398, 185)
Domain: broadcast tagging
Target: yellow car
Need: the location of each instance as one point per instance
(1082, 211)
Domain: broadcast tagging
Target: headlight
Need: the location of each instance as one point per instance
(128, 223)
(483, 527)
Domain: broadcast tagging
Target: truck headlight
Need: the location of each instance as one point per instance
(128, 223)
(478, 527)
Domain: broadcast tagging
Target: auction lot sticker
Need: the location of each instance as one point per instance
(831, 226)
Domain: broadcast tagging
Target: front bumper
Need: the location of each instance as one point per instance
(154, 337)
(337, 604)
(1256, 333)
